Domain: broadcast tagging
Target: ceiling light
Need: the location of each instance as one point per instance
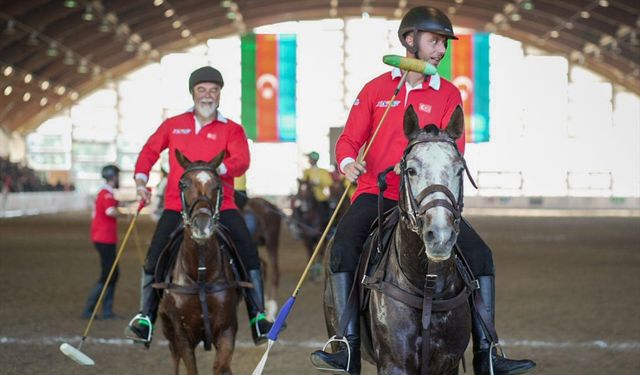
(231, 15)
(515, 17)
(185, 33)
(104, 26)
(603, 3)
(70, 4)
(334, 3)
(176, 24)
(569, 25)
(74, 95)
(158, 2)
(33, 39)
(44, 85)
(554, 34)
(451, 10)
(334, 12)
(26, 97)
(83, 68)
(27, 78)
(397, 13)
(52, 51)
(527, 5)
(7, 71)
(169, 13)
(11, 27)
(60, 90)
(226, 3)
(8, 90)
(44, 101)
(457, 2)
(68, 59)
(129, 47)
(88, 14)
(584, 14)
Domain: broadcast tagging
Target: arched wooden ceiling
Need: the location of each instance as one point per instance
(80, 45)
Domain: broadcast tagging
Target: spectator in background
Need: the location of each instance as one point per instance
(104, 235)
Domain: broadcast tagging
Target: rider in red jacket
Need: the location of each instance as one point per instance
(425, 33)
(200, 134)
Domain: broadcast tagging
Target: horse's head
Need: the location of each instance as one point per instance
(201, 194)
(431, 189)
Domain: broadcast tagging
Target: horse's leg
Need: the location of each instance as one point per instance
(224, 343)
(170, 333)
(184, 349)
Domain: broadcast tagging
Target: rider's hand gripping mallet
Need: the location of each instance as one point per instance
(408, 65)
(75, 353)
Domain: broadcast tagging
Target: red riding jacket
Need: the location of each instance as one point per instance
(104, 228)
(434, 101)
(179, 132)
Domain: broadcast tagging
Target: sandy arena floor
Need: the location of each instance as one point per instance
(568, 297)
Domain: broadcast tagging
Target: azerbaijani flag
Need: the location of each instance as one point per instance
(269, 87)
(466, 65)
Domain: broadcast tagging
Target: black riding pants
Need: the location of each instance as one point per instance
(354, 227)
(231, 219)
(107, 252)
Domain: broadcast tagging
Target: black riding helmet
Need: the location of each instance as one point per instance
(424, 19)
(110, 171)
(205, 74)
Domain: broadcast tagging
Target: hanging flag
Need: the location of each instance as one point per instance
(269, 87)
(466, 65)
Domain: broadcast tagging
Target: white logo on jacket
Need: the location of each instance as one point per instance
(424, 108)
(385, 103)
(212, 136)
(181, 131)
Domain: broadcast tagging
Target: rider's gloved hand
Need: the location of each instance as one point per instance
(143, 192)
(353, 170)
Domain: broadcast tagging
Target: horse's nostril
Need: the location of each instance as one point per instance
(430, 236)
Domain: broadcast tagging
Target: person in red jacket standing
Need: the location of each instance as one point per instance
(200, 134)
(104, 235)
(425, 33)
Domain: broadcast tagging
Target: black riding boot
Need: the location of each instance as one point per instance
(482, 342)
(341, 283)
(140, 328)
(254, 298)
(107, 305)
(92, 300)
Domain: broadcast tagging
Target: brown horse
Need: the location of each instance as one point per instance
(403, 334)
(265, 230)
(201, 301)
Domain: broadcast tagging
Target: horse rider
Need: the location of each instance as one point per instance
(104, 235)
(200, 134)
(425, 33)
(320, 180)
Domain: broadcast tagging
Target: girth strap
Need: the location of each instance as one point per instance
(210, 288)
(438, 305)
(202, 296)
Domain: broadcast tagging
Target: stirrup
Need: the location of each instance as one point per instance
(142, 320)
(502, 354)
(343, 340)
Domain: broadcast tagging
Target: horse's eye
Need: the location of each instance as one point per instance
(411, 171)
(183, 185)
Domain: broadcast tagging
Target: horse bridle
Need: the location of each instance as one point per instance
(187, 211)
(414, 213)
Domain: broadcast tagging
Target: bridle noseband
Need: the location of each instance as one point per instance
(414, 213)
(187, 211)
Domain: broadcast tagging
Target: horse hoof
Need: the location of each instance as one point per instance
(271, 307)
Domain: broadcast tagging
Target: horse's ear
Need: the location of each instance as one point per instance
(217, 160)
(182, 160)
(411, 124)
(455, 128)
